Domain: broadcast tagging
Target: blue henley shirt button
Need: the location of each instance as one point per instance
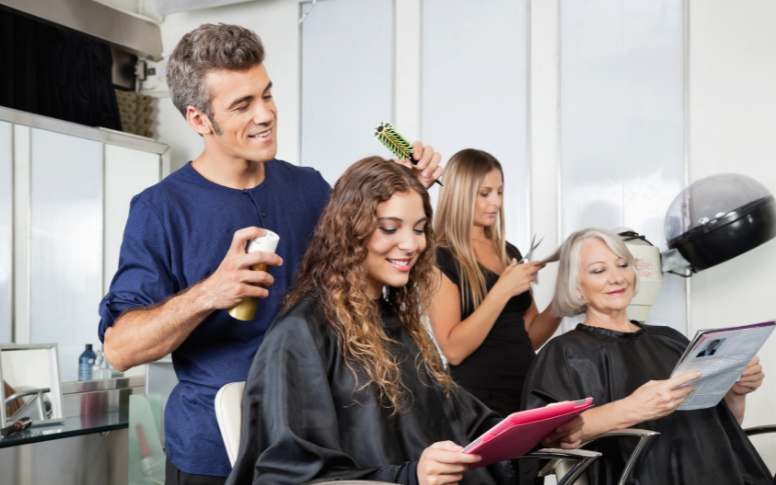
(263, 214)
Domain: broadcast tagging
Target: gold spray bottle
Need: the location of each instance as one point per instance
(246, 309)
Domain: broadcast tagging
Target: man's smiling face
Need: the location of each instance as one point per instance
(244, 116)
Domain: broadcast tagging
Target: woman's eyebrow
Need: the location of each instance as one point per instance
(394, 219)
(422, 219)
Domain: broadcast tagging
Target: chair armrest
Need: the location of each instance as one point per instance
(583, 458)
(644, 435)
(646, 440)
(760, 430)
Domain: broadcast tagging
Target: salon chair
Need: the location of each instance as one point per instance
(757, 430)
(760, 430)
(646, 440)
(37, 407)
(228, 407)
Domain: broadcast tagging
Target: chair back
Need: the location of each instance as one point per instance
(229, 415)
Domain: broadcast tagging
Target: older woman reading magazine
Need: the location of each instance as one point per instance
(625, 367)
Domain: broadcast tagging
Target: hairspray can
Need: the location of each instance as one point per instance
(246, 309)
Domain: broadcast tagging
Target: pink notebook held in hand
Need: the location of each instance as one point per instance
(520, 432)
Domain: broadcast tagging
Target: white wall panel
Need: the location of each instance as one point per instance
(66, 244)
(6, 233)
(347, 82)
(127, 173)
(474, 91)
(622, 123)
(732, 126)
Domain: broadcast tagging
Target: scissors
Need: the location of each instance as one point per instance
(528, 255)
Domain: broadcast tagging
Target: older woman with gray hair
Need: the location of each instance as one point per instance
(625, 367)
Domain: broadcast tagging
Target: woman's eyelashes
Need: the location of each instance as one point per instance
(392, 230)
(487, 193)
(621, 265)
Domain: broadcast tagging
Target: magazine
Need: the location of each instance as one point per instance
(721, 355)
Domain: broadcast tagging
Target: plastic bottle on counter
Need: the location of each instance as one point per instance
(85, 363)
(97, 366)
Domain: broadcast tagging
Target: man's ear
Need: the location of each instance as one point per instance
(198, 120)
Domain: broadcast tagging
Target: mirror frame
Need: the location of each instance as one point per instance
(56, 385)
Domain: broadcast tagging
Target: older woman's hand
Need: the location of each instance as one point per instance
(751, 379)
(567, 436)
(656, 399)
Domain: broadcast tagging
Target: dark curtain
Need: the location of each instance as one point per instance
(55, 72)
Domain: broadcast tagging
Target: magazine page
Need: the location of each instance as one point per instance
(721, 355)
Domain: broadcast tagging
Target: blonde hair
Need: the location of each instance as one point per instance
(335, 262)
(567, 301)
(454, 225)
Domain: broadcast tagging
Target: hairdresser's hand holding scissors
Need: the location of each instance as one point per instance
(427, 161)
(234, 279)
(517, 278)
(518, 275)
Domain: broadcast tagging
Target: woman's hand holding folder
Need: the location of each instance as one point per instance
(443, 463)
(567, 436)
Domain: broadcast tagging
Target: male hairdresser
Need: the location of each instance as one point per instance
(183, 259)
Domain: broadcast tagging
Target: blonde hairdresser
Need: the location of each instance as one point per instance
(484, 317)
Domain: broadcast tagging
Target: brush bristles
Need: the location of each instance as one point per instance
(393, 141)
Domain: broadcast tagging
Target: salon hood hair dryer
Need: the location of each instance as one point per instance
(714, 220)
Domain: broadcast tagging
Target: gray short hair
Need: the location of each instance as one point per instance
(205, 49)
(567, 302)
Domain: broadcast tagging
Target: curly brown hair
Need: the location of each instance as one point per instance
(335, 261)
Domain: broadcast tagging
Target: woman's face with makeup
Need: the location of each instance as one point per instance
(605, 279)
(394, 247)
(489, 199)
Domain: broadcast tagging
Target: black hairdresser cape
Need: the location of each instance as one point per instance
(703, 447)
(304, 423)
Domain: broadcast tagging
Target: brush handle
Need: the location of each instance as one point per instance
(415, 164)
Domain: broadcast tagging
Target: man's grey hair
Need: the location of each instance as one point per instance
(205, 49)
(568, 301)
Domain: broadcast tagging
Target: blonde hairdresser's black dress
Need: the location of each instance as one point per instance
(494, 372)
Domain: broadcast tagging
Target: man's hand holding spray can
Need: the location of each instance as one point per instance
(246, 309)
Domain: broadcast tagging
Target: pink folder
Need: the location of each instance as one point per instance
(520, 432)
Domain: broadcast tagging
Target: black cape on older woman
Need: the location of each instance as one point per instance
(705, 446)
(304, 421)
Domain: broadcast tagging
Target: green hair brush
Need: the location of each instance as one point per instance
(395, 143)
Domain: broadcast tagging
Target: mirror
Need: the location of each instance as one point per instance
(30, 377)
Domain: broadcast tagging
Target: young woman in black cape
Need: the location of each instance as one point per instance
(348, 383)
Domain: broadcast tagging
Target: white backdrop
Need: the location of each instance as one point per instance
(347, 82)
(474, 91)
(622, 124)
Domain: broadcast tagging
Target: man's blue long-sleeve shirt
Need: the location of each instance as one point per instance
(177, 234)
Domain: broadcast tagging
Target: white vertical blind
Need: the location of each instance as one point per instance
(474, 91)
(66, 244)
(127, 173)
(622, 125)
(6, 234)
(347, 82)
